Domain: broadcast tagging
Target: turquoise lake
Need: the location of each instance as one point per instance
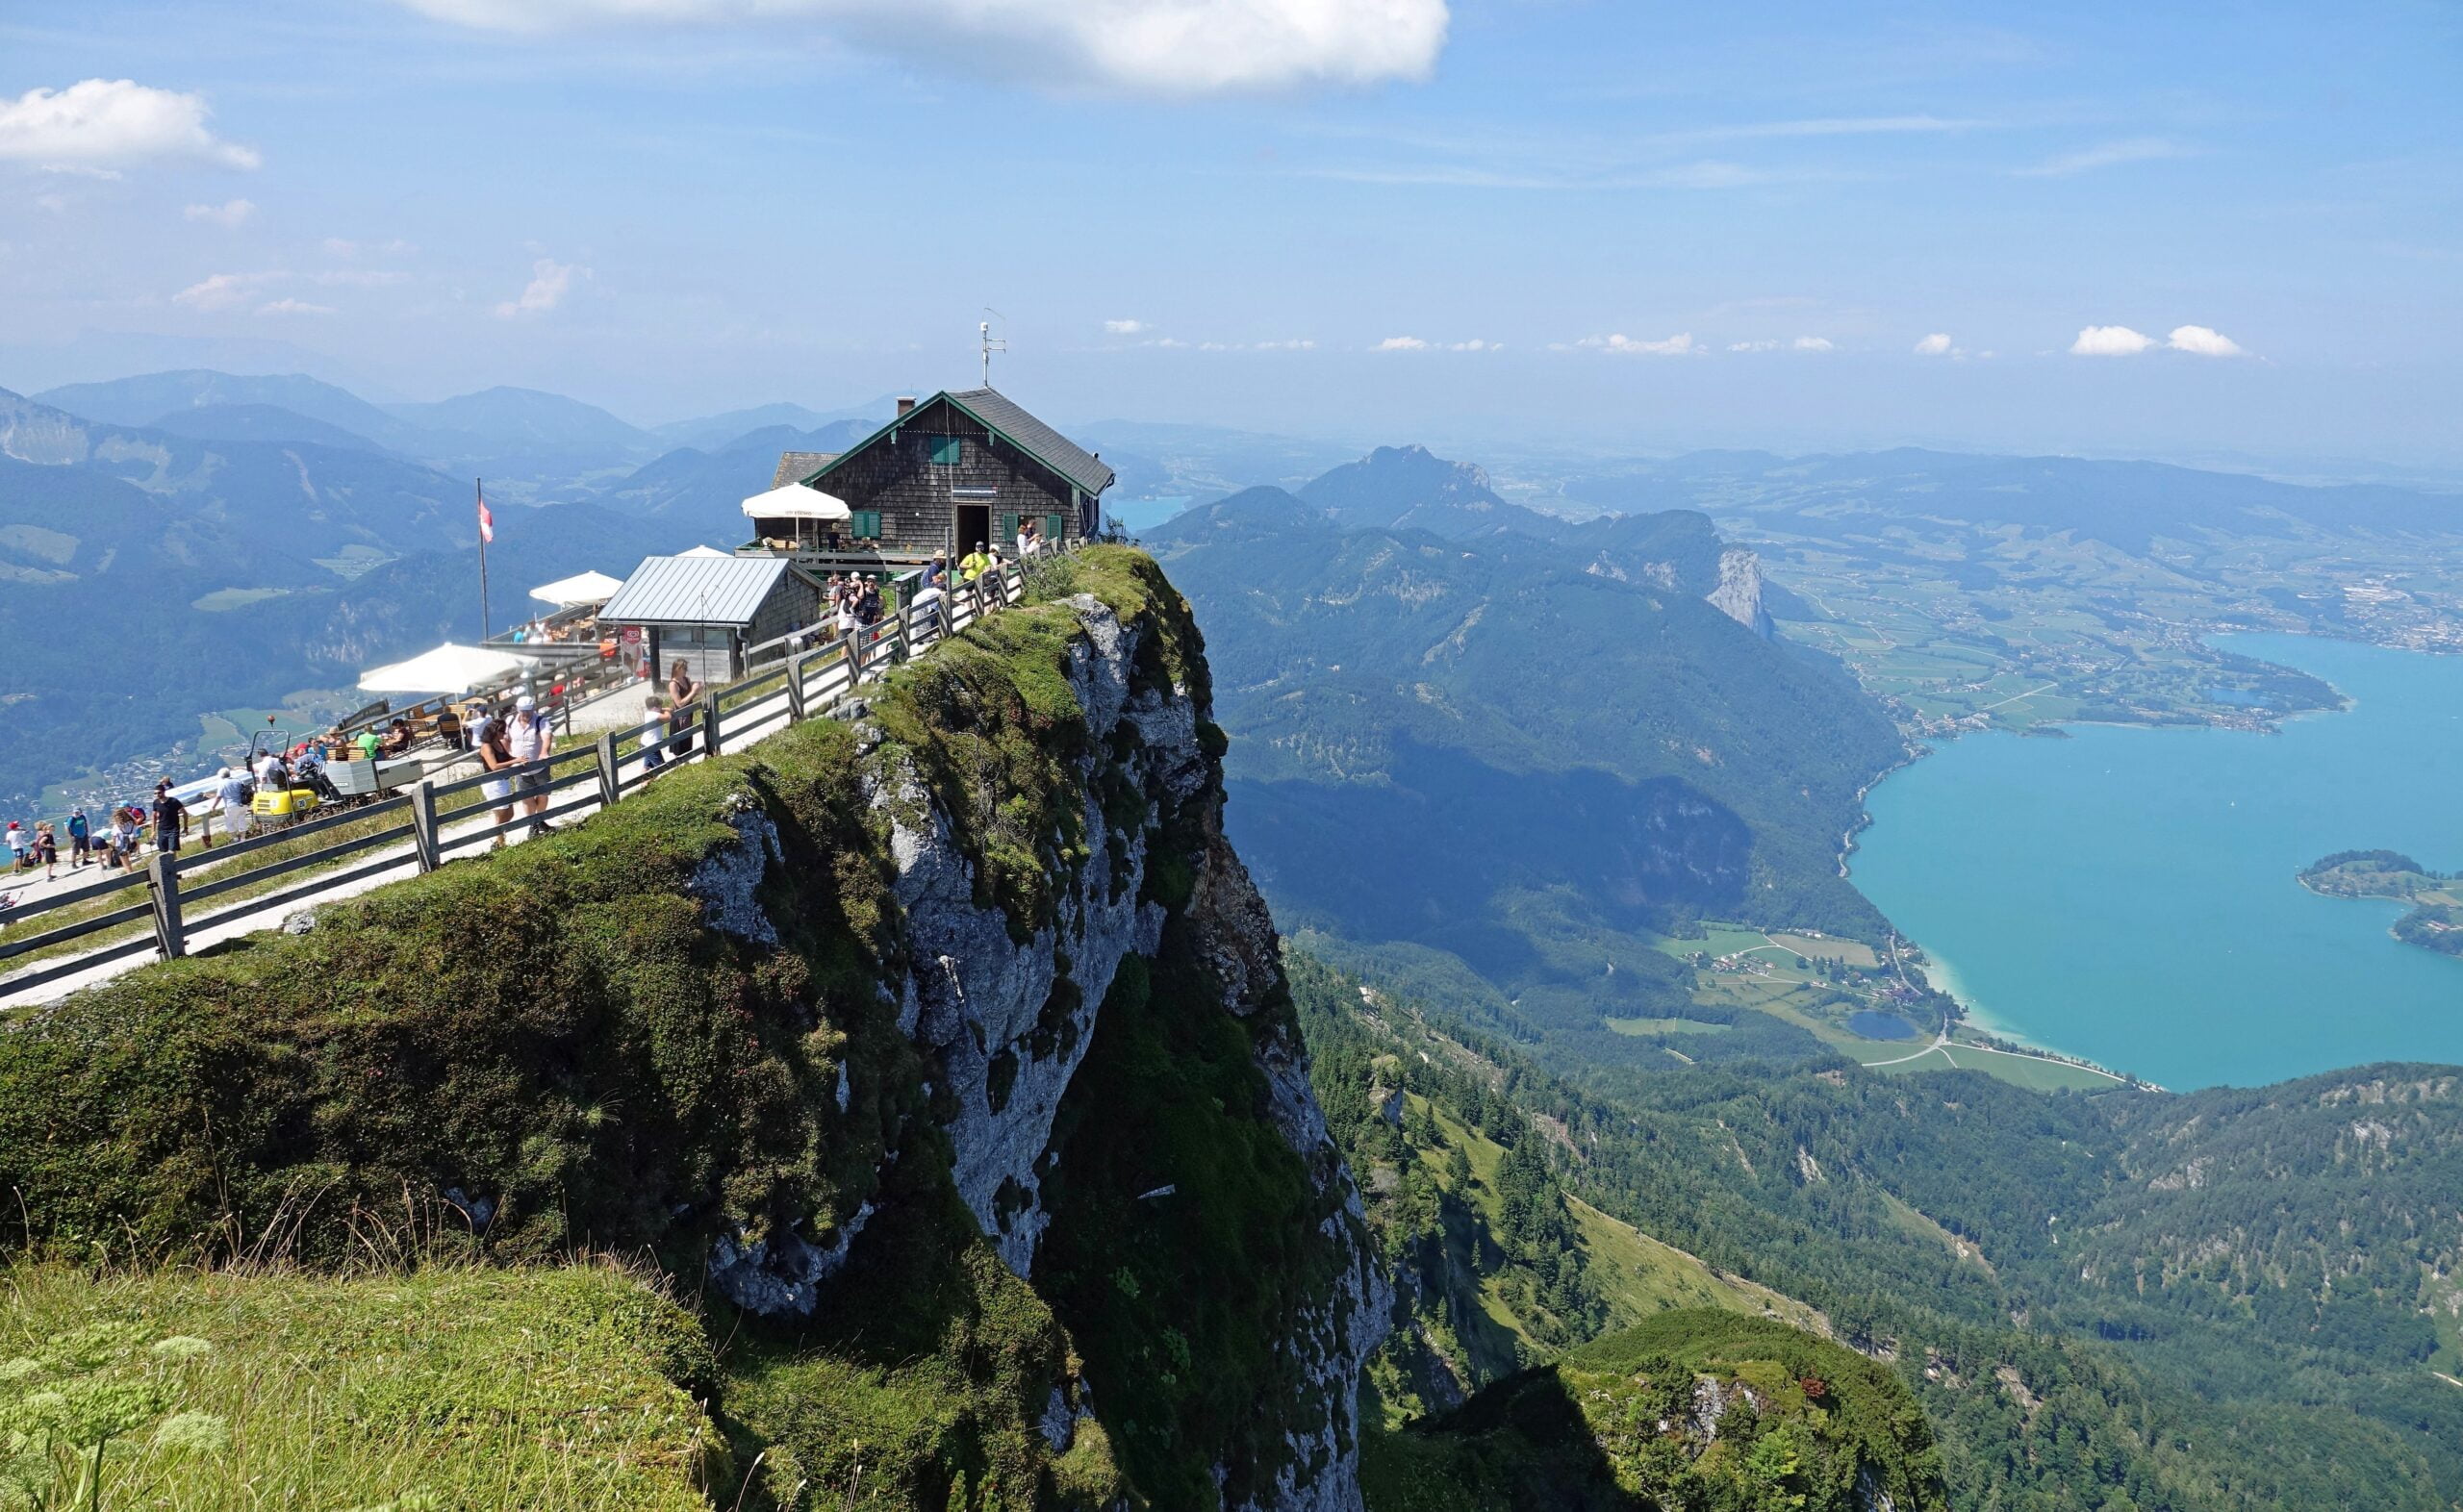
(2128, 895)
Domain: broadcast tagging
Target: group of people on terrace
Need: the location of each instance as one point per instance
(114, 844)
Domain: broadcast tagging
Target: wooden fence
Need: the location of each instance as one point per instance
(431, 824)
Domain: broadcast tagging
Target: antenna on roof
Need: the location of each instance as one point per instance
(990, 343)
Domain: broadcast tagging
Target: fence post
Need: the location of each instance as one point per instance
(424, 825)
(710, 721)
(795, 687)
(163, 879)
(610, 778)
(854, 642)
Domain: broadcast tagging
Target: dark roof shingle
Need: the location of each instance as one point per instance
(1048, 445)
(794, 466)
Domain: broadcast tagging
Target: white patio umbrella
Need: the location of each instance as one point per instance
(450, 667)
(795, 501)
(582, 588)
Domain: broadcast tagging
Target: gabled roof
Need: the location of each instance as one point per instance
(695, 591)
(1001, 416)
(794, 466)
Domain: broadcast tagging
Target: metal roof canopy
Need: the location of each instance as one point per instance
(582, 588)
(795, 501)
(695, 589)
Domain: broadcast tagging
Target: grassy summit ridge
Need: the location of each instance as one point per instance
(553, 1041)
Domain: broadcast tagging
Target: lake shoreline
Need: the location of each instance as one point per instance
(2117, 898)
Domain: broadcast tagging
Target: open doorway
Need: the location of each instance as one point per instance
(975, 526)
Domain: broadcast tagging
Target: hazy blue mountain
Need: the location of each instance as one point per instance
(293, 503)
(154, 398)
(514, 421)
(711, 431)
(705, 490)
(1204, 461)
(2125, 504)
(66, 524)
(266, 423)
(1407, 488)
(1494, 748)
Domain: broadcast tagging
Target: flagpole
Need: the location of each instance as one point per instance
(480, 493)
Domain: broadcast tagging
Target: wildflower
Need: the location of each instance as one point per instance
(183, 1347)
(193, 1433)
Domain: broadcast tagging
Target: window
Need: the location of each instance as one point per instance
(864, 525)
(1052, 527)
(1008, 531)
(947, 451)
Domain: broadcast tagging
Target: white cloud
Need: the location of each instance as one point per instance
(2110, 340)
(1162, 46)
(1123, 327)
(1813, 344)
(295, 306)
(1474, 344)
(549, 282)
(223, 291)
(102, 123)
(1296, 344)
(229, 213)
(2204, 341)
(1753, 347)
(1680, 344)
(2111, 154)
(1938, 344)
(1400, 343)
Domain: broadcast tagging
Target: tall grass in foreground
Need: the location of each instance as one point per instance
(444, 1389)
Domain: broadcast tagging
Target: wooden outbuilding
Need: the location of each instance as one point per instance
(708, 608)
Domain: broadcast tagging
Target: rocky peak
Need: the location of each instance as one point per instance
(1738, 595)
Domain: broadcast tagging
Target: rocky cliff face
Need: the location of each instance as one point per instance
(819, 1023)
(1738, 595)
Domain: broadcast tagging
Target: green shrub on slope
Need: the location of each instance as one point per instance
(1692, 1409)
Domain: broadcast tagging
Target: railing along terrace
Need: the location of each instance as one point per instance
(432, 822)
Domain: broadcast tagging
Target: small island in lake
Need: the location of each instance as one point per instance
(2436, 920)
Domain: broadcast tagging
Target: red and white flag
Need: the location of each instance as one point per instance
(486, 521)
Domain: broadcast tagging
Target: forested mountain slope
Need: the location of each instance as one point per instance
(2298, 1247)
(1493, 748)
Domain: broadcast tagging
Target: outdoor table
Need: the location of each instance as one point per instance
(399, 772)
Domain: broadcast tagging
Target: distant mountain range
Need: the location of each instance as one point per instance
(2125, 504)
(281, 526)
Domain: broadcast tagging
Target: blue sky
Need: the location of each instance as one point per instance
(1477, 222)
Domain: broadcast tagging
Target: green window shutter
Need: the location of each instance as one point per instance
(1054, 527)
(865, 524)
(1008, 529)
(948, 451)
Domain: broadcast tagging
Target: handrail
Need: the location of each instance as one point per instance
(810, 683)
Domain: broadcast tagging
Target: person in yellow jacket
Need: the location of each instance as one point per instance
(974, 564)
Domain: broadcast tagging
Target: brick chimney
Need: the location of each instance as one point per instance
(905, 405)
